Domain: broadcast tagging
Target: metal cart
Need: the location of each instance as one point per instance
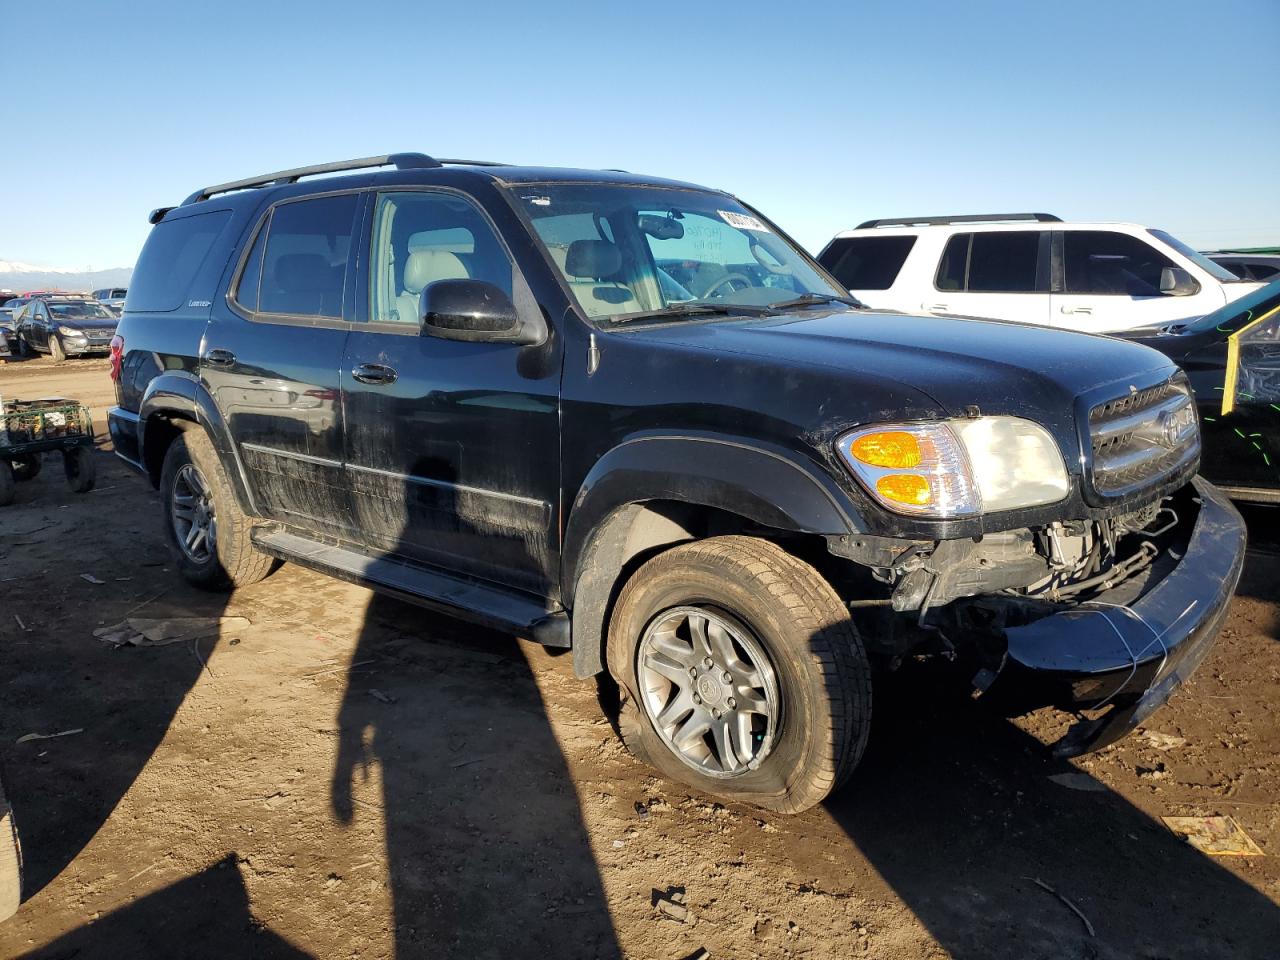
(31, 428)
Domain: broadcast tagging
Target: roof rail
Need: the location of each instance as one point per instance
(401, 161)
(967, 218)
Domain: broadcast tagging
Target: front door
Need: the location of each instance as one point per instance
(453, 448)
(270, 360)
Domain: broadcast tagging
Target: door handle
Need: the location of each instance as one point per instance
(218, 357)
(375, 373)
(1076, 309)
(933, 306)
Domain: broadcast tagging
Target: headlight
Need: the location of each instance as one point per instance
(957, 468)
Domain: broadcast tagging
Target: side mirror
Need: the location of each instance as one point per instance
(472, 310)
(1176, 282)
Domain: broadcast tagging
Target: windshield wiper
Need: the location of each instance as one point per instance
(692, 309)
(807, 298)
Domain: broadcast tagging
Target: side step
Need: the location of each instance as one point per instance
(469, 600)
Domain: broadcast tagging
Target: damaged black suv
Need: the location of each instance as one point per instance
(630, 417)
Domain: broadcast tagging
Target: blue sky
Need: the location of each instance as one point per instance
(822, 115)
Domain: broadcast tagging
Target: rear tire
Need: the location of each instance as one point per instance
(55, 349)
(81, 469)
(27, 467)
(7, 484)
(10, 861)
(24, 350)
(196, 496)
(786, 626)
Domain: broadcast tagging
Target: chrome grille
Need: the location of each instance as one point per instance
(106, 332)
(1143, 437)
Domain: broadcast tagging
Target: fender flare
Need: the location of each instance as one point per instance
(182, 393)
(610, 524)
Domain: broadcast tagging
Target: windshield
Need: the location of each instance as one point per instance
(80, 310)
(632, 251)
(1237, 313)
(1215, 270)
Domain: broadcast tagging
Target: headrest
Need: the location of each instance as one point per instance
(303, 273)
(427, 266)
(597, 259)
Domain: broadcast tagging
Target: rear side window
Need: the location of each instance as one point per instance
(303, 265)
(173, 254)
(1114, 264)
(867, 263)
(1004, 261)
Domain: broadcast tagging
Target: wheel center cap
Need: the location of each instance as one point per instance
(709, 688)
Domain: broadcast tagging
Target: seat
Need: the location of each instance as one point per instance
(423, 267)
(306, 284)
(592, 268)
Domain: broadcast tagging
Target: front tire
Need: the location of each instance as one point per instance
(27, 467)
(741, 673)
(207, 532)
(55, 349)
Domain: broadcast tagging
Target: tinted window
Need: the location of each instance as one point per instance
(1263, 271)
(1102, 262)
(251, 276)
(169, 261)
(304, 265)
(1004, 262)
(867, 263)
(954, 265)
(1237, 268)
(419, 238)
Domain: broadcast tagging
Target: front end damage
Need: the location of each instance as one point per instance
(1102, 618)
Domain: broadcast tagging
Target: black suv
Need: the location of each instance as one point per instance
(631, 417)
(64, 327)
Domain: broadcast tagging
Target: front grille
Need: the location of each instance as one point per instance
(100, 334)
(1143, 437)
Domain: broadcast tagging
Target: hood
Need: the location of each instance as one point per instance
(87, 323)
(1234, 291)
(999, 367)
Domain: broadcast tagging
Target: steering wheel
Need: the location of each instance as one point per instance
(727, 279)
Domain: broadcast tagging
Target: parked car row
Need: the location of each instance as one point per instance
(59, 325)
(631, 417)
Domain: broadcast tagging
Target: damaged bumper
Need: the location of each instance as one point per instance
(1117, 663)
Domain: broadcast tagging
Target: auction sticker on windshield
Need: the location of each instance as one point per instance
(742, 221)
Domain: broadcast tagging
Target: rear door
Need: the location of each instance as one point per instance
(453, 448)
(1000, 274)
(1108, 280)
(270, 359)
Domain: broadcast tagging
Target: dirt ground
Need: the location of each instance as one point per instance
(348, 776)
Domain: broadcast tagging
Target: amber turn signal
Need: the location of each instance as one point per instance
(908, 488)
(892, 448)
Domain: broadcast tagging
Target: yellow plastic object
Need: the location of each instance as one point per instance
(1233, 361)
(891, 448)
(905, 488)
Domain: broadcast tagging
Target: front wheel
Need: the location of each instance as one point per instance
(207, 532)
(741, 673)
(26, 467)
(55, 349)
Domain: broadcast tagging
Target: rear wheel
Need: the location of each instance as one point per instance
(55, 349)
(207, 532)
(81, 469)
(741, 673)
(23, 349)
(27, 467)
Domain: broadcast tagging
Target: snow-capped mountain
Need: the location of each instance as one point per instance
(18, 276)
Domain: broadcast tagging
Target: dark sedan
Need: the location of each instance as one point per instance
(1233, 359)
(64, 327)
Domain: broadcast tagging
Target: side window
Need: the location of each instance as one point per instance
(953, 268)
(867, 263)
(419, 238)
(170, 259)
(1004, 261)
(251, 276)
(304, 264)
(1262, 271)
(1113, 264)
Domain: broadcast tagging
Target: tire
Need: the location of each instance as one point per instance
(24, 350)
(6, 483)
(55, 349)
(81, 469)
(233, 561)
(10, 861)
(776, 607)
(27, 467)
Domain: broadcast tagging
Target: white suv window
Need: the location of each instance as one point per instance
(1006, 261)
(867, 263)
(1102, 262)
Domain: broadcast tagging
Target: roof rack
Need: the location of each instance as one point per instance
(401, 161)
(967, 218)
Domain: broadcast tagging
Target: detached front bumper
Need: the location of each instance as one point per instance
(1119, 662)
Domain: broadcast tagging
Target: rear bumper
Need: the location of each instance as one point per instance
(1122, 661)
(122, 424)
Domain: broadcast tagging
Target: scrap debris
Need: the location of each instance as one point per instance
(1078, 781)
(671, 904)
(1216, 836)
(139, 632)
(1071, 906)
(49, 736)
(90, 578)
(1163, 741)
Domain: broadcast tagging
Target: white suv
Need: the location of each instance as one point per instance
(1032, 268)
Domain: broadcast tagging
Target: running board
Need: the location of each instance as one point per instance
(466, 599)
